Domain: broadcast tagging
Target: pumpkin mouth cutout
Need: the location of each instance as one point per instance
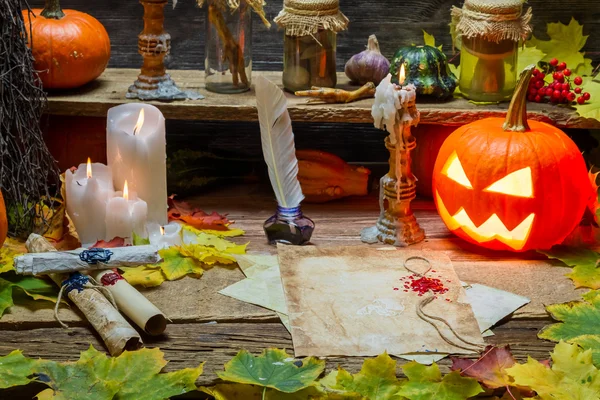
(492, 228)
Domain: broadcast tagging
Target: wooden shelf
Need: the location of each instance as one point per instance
(109, 90)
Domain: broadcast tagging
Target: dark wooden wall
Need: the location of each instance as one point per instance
(395, 22)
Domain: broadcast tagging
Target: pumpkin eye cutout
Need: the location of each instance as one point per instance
(454, 170)
(518, 184)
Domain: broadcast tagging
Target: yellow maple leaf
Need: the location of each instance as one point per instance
(11, 249)
(144, 276)
(572, 376)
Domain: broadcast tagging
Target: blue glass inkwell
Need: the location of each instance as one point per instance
(289, 226)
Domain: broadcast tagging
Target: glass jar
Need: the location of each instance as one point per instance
(289, 226)
(309, 61)
(228, 52)
(488, 70)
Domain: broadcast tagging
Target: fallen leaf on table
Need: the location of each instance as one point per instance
(190, 233)
(274, 369)
(426, 383)
(591, 108)
(140, 241)
(375, 381)
(579, 323)
(132, 375)
(489, 369)
(15, 370)
(10, 249)
(239, 391)
(116, 242)
(565, 44)
(529, 55)
(210, 255)
(572, 375)
(181, 211)
(36, 288)
(175, 265)
(144, 276)
(585, 271)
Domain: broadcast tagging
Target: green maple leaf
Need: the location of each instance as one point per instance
(572, 375)
(140, 241)
(565, 44)
(175, 265)
(238, 391)
(36, 288)
(15, 370)
(132, 375)
(580, 323)
(426, 383)
(274, 369)
(375, 381)
(529, 55)
(585, 273)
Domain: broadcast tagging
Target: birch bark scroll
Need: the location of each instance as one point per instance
(71, 261)
(132, 303)
(115, 331)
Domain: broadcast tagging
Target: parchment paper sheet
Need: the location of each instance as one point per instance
(341, 301)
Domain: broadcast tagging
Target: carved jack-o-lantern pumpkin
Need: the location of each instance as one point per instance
(514, 186)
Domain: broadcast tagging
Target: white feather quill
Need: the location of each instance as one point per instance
(278, 143)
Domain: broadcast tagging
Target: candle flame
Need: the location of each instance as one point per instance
(139, 123)
(162, 230)
(125, 191)
(401, 75)
(89, 168)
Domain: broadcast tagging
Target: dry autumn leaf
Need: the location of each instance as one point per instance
(181, 211)
(116, 242)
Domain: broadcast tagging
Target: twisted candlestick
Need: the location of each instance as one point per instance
(397, 224)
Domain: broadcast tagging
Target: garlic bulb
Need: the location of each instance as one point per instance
(369, 65)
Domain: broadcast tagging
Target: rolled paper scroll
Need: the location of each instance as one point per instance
(115, 331)
(132, 303)
(84, 259)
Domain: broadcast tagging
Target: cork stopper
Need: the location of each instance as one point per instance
(306, 17)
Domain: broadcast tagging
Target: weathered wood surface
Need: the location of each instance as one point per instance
(211, 327)
(396, 23)
(96, 98)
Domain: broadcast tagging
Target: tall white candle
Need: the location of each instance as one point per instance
(125, 214)
(88, 189)
(164, 236)
(136, 150)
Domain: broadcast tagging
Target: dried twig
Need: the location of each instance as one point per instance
(331, 95)
(28, 173)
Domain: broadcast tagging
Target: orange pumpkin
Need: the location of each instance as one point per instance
(511, 185)
(70, 48)
(3, 221)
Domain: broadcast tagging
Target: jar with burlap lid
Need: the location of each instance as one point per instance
(228, 46)
(311, 28)
(490, 32)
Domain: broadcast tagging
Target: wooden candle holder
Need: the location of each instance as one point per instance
(397, 224)
(154, 43)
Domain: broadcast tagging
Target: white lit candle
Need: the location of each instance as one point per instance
(136, 150)
(125, 214)
(87, 191)
(164, 236)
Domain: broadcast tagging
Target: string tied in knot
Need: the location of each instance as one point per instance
(78, 281)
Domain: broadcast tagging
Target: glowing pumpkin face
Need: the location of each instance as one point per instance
(510, 190)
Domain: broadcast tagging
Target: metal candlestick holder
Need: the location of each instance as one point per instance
(397, 224)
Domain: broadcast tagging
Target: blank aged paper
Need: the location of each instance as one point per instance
(341, 302)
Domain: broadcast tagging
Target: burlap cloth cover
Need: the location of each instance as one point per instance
(306, 17)
(257, 6)
(495, 20)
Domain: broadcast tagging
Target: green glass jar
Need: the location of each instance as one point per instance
(490, 32)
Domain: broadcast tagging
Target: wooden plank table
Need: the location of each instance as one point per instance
(109, 90)
(213, 328)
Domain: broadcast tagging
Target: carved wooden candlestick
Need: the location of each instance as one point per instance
(397, 224)
(154, 44)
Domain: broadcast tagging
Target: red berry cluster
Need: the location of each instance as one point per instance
(560, 90)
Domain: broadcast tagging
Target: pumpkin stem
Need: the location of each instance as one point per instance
(516, 117)
(52, 10)
(373, 44)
